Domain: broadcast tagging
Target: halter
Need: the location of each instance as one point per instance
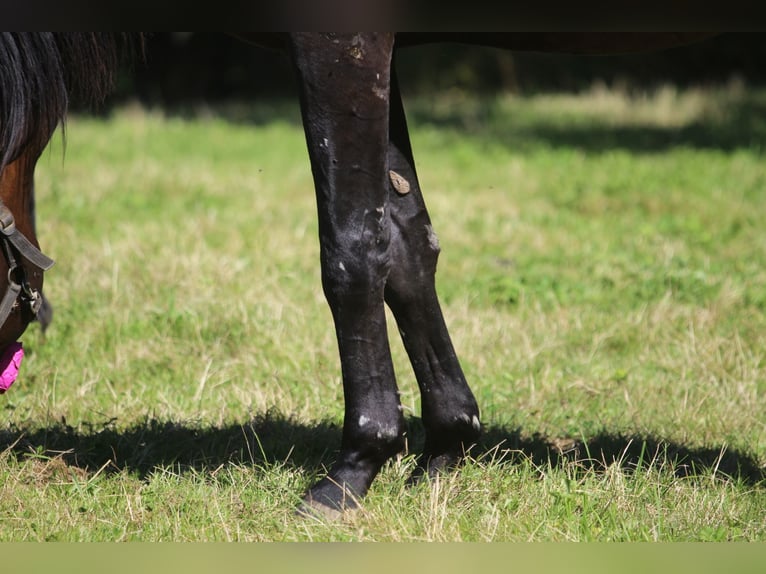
(14, 245)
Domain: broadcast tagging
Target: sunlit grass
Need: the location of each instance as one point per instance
(602, 273)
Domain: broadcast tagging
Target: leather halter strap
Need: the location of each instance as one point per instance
(15, 245)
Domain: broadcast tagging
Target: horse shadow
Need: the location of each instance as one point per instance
(272, 438)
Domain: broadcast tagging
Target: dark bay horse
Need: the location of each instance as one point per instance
(377, 243)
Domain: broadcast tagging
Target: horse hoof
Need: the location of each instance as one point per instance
(309, 508)
(431, 466)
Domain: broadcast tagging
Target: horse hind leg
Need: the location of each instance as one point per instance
(449, 410)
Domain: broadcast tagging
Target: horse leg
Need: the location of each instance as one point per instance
(449, 410)
(344, 89)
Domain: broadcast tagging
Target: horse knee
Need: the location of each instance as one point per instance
(355, 265)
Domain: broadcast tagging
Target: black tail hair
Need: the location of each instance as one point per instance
(41, 71)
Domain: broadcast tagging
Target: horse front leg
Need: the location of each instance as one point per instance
(449, 410)
(344, 87)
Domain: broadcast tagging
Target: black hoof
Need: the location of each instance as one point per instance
(431, 465)
(314, 510)
(328, 499)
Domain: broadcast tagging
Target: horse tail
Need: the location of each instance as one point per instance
(40, 72)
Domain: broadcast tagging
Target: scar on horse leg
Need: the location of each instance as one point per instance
(449, 410)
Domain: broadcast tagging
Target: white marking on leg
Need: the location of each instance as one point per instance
(473, 421)
(342, 267)
(382, 432)
(386, 432)
(433, 241)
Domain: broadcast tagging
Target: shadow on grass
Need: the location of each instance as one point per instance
(632, 452)
(272, 438)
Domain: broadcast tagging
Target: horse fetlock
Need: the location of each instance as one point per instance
(472, 420)
(452, 433)
(378, 440)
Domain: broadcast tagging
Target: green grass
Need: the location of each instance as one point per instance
(603, 272)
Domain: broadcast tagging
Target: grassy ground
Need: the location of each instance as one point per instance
(603, 272)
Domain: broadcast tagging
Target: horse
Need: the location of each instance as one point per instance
(377, 244)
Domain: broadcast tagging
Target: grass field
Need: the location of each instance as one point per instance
(603, 272)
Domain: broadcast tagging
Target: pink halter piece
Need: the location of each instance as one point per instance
(10, 361)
